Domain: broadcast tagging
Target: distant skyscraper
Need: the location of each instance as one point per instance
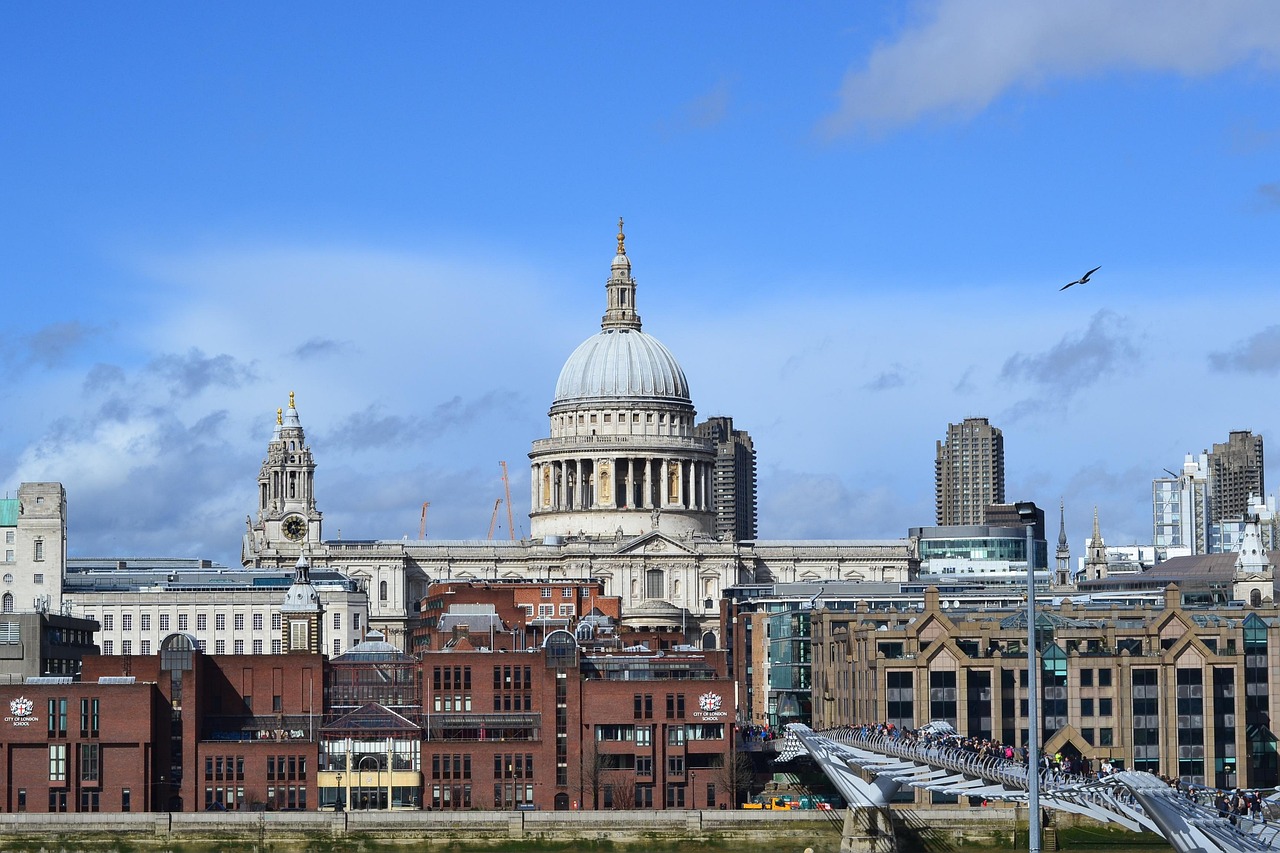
(969, 472)
(1180, 507)
(733, 479)
(1235, 473)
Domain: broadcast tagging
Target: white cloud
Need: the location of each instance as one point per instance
(967, 53)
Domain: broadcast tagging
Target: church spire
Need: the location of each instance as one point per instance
(620, 291)
(1064, 549)
(1095, 561)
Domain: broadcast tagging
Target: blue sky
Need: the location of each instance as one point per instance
(849, 222)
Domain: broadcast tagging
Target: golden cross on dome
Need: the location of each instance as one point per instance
(291, 399)
(279, 417)
(622, 248)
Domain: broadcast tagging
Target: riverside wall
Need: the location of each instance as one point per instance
(736, 831)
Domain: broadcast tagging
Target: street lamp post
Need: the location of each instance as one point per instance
(1027, 514)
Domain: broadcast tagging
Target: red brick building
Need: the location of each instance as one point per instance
(245, 727)
(560, 726)
(82, 746)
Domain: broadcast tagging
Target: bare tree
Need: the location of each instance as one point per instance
(624, 789)
(736, 776)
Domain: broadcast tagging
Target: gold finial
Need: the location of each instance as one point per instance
(279, 417)
(291, 399)
(622, 248)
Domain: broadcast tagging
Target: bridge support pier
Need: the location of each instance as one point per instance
(867, 830)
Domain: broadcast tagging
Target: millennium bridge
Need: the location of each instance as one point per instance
(868, 766)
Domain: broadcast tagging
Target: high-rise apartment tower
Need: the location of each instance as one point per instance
(733, 479)
(1235, 473)
(969, 472)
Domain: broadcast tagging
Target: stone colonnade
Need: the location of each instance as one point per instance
(622, 483)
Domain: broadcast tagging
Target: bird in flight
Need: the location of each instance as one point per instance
(1082, 279)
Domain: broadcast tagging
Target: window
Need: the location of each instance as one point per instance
(220, 622)
(38, 577)
(1086, 707)
(275, 621)
(164, 621)
(89, 718)
(546, 610)
(546, 592)
(276, 647)
(146, 647)
(382, 590)
(89, 760)
(220, 647)
(182, 621)
(355, 621)
(108, 622)
(257, 621)
(9, 537)
(126, 800)
(337, 647)
(567, 592)
(257, 647)
(126, 647)
(644, 735)
(1104, 708)
(238, 647)
(58, 718)
(566, 610)
(38, 551)
(239, 622)
(675, 765)
(7, 606)
(146, 621)
(337, 621)
(1104, 678)
(108, 647)
(1086, 678)
(57, 762)
(202, 622)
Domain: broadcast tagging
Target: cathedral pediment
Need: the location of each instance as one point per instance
(655, 544)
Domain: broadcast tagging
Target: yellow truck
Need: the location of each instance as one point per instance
(776, 804)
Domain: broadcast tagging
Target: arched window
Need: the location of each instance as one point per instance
(8, 602)
(382, 590)
(1255, 598)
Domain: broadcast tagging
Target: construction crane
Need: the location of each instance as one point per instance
(506, 484)
(493, 519)
(422, 526)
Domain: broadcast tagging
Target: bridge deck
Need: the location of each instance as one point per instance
(1137, 801)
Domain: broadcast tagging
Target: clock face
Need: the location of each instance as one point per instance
(294, 527)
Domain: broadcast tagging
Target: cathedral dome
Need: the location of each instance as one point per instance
(621, 363)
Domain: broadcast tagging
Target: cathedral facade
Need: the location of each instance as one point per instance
(627, 488)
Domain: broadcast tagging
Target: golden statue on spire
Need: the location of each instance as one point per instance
(279, 417)
(622, 248)
(291, 399)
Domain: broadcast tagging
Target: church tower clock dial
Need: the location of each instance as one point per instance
(294, 527)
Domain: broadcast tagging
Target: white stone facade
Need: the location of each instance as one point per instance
(33, 528)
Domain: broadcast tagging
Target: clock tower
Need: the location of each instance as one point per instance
(288, 521)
